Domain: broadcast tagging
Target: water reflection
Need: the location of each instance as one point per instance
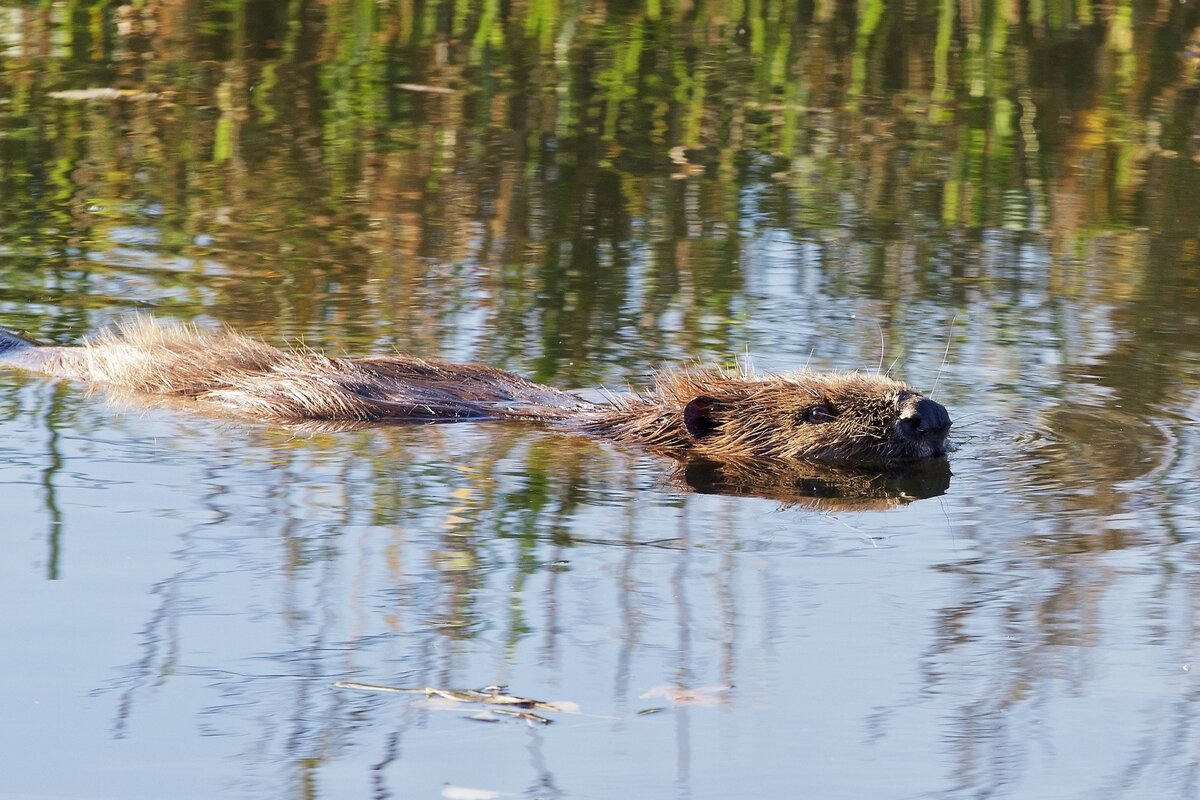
(591, 193)
(820, 486)
(546, 184)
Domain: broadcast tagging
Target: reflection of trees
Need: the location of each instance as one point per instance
(1015, 645)
(1095, 561)
(394, 550)
(532, 210)
(1103, 489)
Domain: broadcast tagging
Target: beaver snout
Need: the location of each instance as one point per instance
(925, 421)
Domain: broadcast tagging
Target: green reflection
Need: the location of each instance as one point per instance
(590, 173)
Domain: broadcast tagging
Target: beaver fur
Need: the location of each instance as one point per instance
(719, 415)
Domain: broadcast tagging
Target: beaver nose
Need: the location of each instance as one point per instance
(923, 418)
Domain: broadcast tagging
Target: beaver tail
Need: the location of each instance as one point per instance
(237, 373)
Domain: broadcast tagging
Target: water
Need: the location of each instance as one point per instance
(997, 202)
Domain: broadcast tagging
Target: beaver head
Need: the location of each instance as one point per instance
(831, 417)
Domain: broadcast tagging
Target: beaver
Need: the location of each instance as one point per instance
(713, 414)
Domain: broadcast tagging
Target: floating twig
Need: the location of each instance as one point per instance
(495, 698)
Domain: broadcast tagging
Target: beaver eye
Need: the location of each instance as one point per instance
(822, 413)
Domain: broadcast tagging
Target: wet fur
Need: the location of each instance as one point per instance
(764, 418)
(720, 415)
(242, 374)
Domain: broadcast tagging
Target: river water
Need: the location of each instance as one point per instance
(998, 202)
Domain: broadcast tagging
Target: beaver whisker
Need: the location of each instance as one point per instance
(713, 413)
(945, 355)
(882, 347)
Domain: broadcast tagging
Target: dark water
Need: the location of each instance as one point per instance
(999, 200)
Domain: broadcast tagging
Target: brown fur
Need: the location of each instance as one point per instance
(766, 417)
(848, 418)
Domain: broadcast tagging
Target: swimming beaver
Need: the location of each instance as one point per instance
(713, 414)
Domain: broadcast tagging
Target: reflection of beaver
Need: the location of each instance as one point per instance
(821, 487)
(710, 414)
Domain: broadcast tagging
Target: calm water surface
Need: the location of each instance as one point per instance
(997, 200)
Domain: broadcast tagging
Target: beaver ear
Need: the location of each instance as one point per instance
(697, 415)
